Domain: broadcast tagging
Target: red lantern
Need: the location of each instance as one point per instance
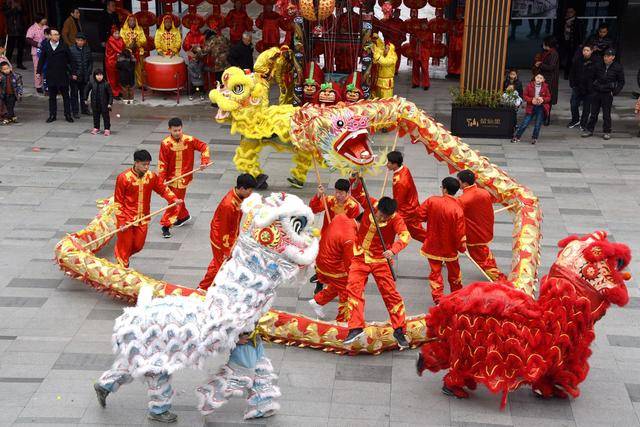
(217, 2)
(145, 18)
(438, 51)
(438, 25)
(395, 3)
(438, 4)
(415, 4)
(407, 50)
(192, 2)
(191, 19)
(266, 2)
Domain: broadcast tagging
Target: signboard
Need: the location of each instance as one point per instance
(478, 122)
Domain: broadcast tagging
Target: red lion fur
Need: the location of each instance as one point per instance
(496, 335)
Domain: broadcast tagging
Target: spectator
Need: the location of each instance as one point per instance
(549, 66)
(47, 37)
(108, 20)
(58, 59)
(193, 45)
(14, 17)
(127, 74)
(35, 36)
(115, 46)
(569, 40)
(71, 27)
(10, 92)
(538, 97)
(101, 101)
(217, 47)
(608, 82)
(512, 82)
(241, 53)
(581, 80)
(601, 40)
(81, 69)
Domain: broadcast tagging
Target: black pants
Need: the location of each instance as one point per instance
(9, 103)
(53, 104)
(578, 98)
(15, 42)
(77, 92)
(602, 100)
(105, 118)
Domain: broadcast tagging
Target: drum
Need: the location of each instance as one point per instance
(165, 73)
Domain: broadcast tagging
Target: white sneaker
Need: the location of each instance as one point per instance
(317, 308)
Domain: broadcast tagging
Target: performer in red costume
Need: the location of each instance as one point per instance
(329, 94)
(477, 205)
(332, 264)
(369, 258)
(314, 77)
(454, 41)
(268, 22)
(352, 88)
(238, 22)
(115, 46)
(393, 31)
(225, 225)
(132, 198)
(340, 203)
(176, 158)
(445, 237)
(420, 41)
(406, 194)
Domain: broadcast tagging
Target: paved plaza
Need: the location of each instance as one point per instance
(55, 332)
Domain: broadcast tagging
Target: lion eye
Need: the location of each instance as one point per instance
(238, 89)
(298, 223)
(340, 123)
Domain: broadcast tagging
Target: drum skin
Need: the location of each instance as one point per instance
(164, 73)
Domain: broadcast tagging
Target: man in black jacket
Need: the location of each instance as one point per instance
(241, 53)
(581, 82)
(58, 59)
(81, 69)
(608, 82)
(108, 19)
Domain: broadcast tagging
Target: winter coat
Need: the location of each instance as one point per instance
(126, 70)
(70, 29)
(16, 82)
(608, 79)
(218, 48)
(517, 85)
(58, 63)
(530, 93)
(100, 90)
(81, 62)
(241, 56)
(14, 20)
(582, 74)
(550, 69)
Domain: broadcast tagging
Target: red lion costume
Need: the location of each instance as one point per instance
(493, 334)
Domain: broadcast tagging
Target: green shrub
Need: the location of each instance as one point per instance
(477, 98)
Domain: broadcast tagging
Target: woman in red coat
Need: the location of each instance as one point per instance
(538, 99)
(115, 46)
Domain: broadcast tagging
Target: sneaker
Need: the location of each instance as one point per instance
(166, 233)
(295, 183)
(183, 221)
(165, 417)
(39, 90)
(534, 141)
(190, 97)
(353, 336)
(606, 136)
(398, 334)
(101, 394)
(573, 124)
(13, 119)
(95, 131)
(107, 132)
(68, 119)
(317, 308)
(515, 139)
(319, 288)
(313, 279)
(51, 119)
(420, 365)
(5, 122)
(586, 134)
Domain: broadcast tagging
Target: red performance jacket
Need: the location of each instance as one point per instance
(133, 195)
(445, 228)
(350, 208)
(405, 193)
(477, 205)
(177, 158)
(336, 247)
(225, 224)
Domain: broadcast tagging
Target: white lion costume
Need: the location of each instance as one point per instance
(160, 336)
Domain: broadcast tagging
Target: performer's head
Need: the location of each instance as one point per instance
(342, 187)
(245, 183)
(141, 161)
(386, 208)
(466, 178)
(167, 22)
(175, 127)
(450, 186)
(131, 20)
(394, 160)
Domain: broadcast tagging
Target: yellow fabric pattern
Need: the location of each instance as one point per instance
(386, 69)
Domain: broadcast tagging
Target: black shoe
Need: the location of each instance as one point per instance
(295, 183)
(69, 119)
(101, 394)
(447, 391)
(354, 335)
(165, 417)
(425, 88)
(166, 233)
(183, 221)
(22, 67)
(319, 287)
(414, 86)
(262, 182)
(314, 279)
(398, 334)
(86, 112)
(586, 134)
(39, 90)
(573, 124)
(51, 119)
(419, 365)
(76, 115)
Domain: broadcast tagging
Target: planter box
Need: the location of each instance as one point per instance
(483, 122)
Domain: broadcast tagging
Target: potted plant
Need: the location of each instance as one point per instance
(483, 113)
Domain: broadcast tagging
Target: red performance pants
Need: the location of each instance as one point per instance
(334, 287)
(416, 230)
(130, 241)
(420, 73)
(483, 256)
(358, 274)
(175, 213)
(218, 258)
(435, 277)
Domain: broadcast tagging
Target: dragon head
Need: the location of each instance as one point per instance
(281, 223)
(596, 265)
(239, 90)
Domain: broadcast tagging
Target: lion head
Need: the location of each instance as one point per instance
(238, 89)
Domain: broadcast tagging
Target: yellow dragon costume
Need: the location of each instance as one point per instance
(135, 40)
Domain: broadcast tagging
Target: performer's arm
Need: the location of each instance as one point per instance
(203, 148)
(401, 231)
(461, 237)
(347, 255)
(162, 162)
(119, 193)
(357, 191)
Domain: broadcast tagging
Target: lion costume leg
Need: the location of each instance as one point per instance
(247, 157)
(303, 163)
(261, 399)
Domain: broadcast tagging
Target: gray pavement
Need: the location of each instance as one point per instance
(55, 332)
